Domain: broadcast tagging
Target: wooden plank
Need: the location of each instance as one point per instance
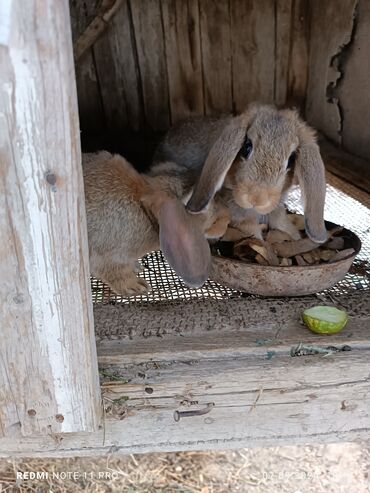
(331, 31)
(217, 316)
(220, 330)
(216, 56)
(298, 55)
(255, 342)
(48, 366)
(347, 166)
(96, 28)
(92, 120)
(283, 12)
(149, 36)
(118, 71)
(354, 87)
(89, 99)
(253, 51)
(183, 55)
(256, 402)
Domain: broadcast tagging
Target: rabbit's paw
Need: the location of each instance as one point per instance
(218, 228)
(130, 286)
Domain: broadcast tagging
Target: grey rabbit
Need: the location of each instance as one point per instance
(255, 158)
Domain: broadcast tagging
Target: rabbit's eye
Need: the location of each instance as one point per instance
(246, 149)
(291, 160)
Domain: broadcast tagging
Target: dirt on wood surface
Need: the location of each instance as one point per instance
(334, 468)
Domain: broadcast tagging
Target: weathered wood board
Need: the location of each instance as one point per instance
(298, 54)
(331, 34)
(354, 88)
(253, 52)
(90, 107)
(118, 72)
(253, 401)
(183, 57)
(282, 49)
(150, 46)
(45, 308)
(216, 56)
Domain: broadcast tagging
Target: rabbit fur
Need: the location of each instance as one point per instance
(129, 215)
(254, 158)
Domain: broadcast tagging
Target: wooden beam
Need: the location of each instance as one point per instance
(251, 402)
(48, 366)
(251, 343)
(95, 29)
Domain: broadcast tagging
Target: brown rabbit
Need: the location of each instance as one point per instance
(129, 215)
(255, 157)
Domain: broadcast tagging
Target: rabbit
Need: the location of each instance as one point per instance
(254, 159)
(129, 215)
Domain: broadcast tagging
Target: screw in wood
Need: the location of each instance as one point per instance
(177, 415)
(50, 178)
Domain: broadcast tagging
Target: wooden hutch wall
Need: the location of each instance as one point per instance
(162, 60)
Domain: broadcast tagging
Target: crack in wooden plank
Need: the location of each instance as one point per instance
(337, 63)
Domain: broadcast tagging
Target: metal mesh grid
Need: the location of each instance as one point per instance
(345, 204)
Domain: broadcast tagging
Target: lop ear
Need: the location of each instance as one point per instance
(311, 176)
(218, 162)
(183, 243)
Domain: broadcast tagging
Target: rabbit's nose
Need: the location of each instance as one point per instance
(260, 199)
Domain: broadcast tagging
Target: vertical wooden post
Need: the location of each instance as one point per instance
(48, 366)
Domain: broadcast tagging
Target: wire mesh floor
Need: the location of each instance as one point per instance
(345, 205)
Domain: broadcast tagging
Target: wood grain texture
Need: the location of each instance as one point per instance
(216, 56)
(90, 109)
(298, 54)
(89, 98)
(351, 168)
(256, 402)
(283, 12)
(183, 56)
(331, 31)
(96, 28)
(149, 36)
(256, 341)
(253, 51)
(354, 88)
(262, 395)
(48, 367)
(116, 64)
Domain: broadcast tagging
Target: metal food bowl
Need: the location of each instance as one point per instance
(266, 280)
